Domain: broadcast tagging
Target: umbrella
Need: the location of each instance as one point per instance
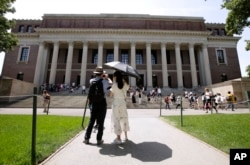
(127, 69)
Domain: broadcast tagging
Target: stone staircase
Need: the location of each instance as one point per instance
(65, 99)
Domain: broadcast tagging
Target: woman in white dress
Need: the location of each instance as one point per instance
(119, 117)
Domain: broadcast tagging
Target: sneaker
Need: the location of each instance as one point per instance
(117, 141)
(86, 141)
(99, 142)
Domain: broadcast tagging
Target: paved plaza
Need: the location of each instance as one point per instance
(151, 141)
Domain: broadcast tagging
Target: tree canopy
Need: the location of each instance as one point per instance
(238, 17)
(7, 39)
(248, 70)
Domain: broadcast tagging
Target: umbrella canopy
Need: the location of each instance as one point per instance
(127, 69)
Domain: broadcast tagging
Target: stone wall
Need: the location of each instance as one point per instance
(13, 90)
(236, 86)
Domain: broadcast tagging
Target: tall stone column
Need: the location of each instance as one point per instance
(39, 62)
(193, 65)
(201, 68)
(69, 63)
(132, 47)
(178, 65)
(116, 51)
(206, 65)
(100, 54)
(164, 65)
(53, 67)
(149, 65)
(45, 62)
(84, 63)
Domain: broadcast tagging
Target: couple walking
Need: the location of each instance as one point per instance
(119, 118)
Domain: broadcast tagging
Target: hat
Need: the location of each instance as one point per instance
(99, 70)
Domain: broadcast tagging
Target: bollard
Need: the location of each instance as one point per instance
(248, 99)
(181, 113)
(33, 140)
(160, 105)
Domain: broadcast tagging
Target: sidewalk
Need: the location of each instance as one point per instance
(151, 141)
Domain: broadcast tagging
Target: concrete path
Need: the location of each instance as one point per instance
(151, 141)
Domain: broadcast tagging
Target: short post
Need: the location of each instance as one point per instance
(181, 113)
(160, 105)
(33, 141)
(248, 99)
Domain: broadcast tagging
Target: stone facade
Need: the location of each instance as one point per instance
(169, 52)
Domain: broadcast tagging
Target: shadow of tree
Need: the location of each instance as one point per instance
(145, 151)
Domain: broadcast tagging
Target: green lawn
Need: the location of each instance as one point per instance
(52, 132)
(219, 130)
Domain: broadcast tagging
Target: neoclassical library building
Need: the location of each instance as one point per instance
(167, 51)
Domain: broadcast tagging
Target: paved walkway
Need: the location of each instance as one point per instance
(151, 141)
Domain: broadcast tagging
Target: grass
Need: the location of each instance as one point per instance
(222, 131)
(16, 133)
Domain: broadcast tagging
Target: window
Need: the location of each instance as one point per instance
(19, 76)
(21, 28)
(95, 56)
(153, 57)
(124, 56)
(110, 56)
(139, 57)
(155, 82)
(24, 54)
(220, 56)
(216, 32)
(29, 29)
(223, 32)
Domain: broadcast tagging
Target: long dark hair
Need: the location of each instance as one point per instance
(119, 79)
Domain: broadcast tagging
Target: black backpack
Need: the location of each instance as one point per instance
(96, 93)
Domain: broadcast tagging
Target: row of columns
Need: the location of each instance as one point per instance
(205, 61)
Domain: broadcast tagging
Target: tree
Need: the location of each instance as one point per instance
(248, 70)
(7, 39)
(238, 17)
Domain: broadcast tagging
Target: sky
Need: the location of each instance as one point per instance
(210, 10)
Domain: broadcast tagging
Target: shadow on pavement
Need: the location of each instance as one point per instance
(145, 151)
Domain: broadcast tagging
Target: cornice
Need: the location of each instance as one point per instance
(122, 31)
(223, 38)
(29, 35)
(121, 16)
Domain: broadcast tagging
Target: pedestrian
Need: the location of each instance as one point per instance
(83, 89)
(119, 116)
(167, 100)
(208, 102)
(230, 100)
(46, 101)
(159, 92)
(203, 99)
(178, 102)
(98, 108)
(106, 78)
(139, 97)
(133, 98)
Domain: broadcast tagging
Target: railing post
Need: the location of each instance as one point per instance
(33, 140)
